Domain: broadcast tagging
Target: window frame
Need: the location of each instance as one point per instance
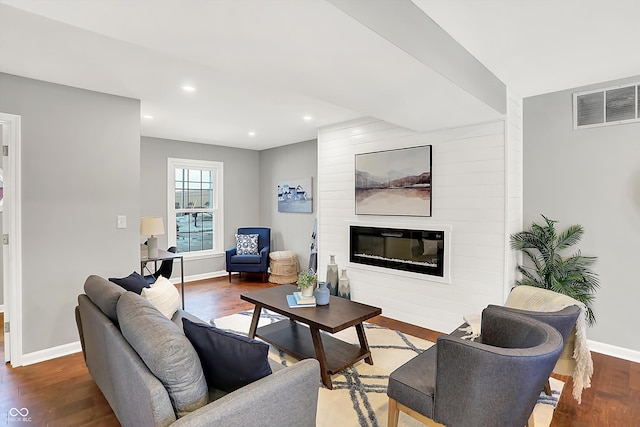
(217, 209)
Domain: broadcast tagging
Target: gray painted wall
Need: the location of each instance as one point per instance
(289, 231)
(80, 169)
(241, 190)
(589, 177)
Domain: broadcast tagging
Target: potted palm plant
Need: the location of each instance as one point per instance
(307, 281)
(548, 267)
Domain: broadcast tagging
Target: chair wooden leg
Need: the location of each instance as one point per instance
(547, 388)
(229, 277)
(531, 422)
(393, 413)
(264, 277)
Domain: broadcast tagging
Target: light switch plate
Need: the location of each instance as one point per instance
(121, 221)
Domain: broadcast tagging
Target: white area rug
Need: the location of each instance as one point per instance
(359, 395)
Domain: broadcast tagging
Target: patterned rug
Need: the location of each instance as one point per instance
(359, 394)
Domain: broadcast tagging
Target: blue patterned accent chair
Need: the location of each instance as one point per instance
(251, 253)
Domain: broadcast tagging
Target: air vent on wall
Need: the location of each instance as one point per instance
(608, 106)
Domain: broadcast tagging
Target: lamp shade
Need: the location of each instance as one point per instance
(151, 226)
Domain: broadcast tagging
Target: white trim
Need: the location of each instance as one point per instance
(191, 256)
(2, 308)
(201, 276)
(506, 286)
(12, 222)
(614, 351)
(51, 353)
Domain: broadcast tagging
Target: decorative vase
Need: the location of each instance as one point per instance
(322, 294)
(307, 292)
(332, 275)
(344, 288)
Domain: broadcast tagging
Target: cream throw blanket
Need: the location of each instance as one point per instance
(538, 299)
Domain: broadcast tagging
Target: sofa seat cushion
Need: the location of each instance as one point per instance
(165, 350)
(104, 295)
(133, 282)
(246, 259)
(229, 361)
(414, 383)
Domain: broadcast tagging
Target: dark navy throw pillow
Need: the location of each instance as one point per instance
(133, 282)
(229, 361)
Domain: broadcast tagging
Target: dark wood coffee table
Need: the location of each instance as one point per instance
(333, 354)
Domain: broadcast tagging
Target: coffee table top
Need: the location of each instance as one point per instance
(339, 314)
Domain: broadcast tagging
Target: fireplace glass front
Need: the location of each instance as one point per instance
(418, 251)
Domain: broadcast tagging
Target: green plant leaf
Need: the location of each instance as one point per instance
(545, 267)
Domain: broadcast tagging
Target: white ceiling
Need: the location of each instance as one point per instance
(543, 46)
(261, 65)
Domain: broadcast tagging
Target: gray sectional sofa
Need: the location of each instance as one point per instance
(151, 376)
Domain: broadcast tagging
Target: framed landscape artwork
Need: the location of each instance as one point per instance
(295, 195)
(394, 182)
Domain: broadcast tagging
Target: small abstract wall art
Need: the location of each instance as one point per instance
(394, 182)
(295, 195)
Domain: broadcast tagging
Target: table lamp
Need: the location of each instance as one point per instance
(152, 226)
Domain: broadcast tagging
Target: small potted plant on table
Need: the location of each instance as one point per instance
(307, 282)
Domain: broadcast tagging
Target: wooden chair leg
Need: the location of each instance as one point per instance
(547, 388)
(264, 277)
(394, 412)
(229, 277)
(531, 422)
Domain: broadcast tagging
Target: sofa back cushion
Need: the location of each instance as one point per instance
(165, 350)
(104, 295)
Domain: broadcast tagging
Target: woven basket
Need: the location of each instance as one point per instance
(283, 267)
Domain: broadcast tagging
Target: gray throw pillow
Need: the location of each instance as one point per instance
(165, 350)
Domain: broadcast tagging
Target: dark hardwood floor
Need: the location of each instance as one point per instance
(60, 392)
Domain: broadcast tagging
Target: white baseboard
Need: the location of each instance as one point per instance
(203, 276)
(2, 308)
(614, 351)
(51, 353)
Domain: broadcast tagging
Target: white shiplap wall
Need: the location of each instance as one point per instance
(469, 197)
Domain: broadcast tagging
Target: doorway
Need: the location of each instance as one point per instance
(11, 238)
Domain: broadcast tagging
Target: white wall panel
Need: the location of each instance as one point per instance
(468, 174)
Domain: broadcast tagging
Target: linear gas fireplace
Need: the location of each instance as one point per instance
(418, 251)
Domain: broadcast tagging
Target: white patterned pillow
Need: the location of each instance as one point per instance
(246, 244)
(163, 295)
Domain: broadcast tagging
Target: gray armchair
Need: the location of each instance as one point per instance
(494, 381)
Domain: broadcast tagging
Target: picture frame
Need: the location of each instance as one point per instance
(295, 195)
(394, 182)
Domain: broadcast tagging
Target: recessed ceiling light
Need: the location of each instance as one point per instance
(252, 133)
(148, 116)
(188, 88)
(307, 118)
